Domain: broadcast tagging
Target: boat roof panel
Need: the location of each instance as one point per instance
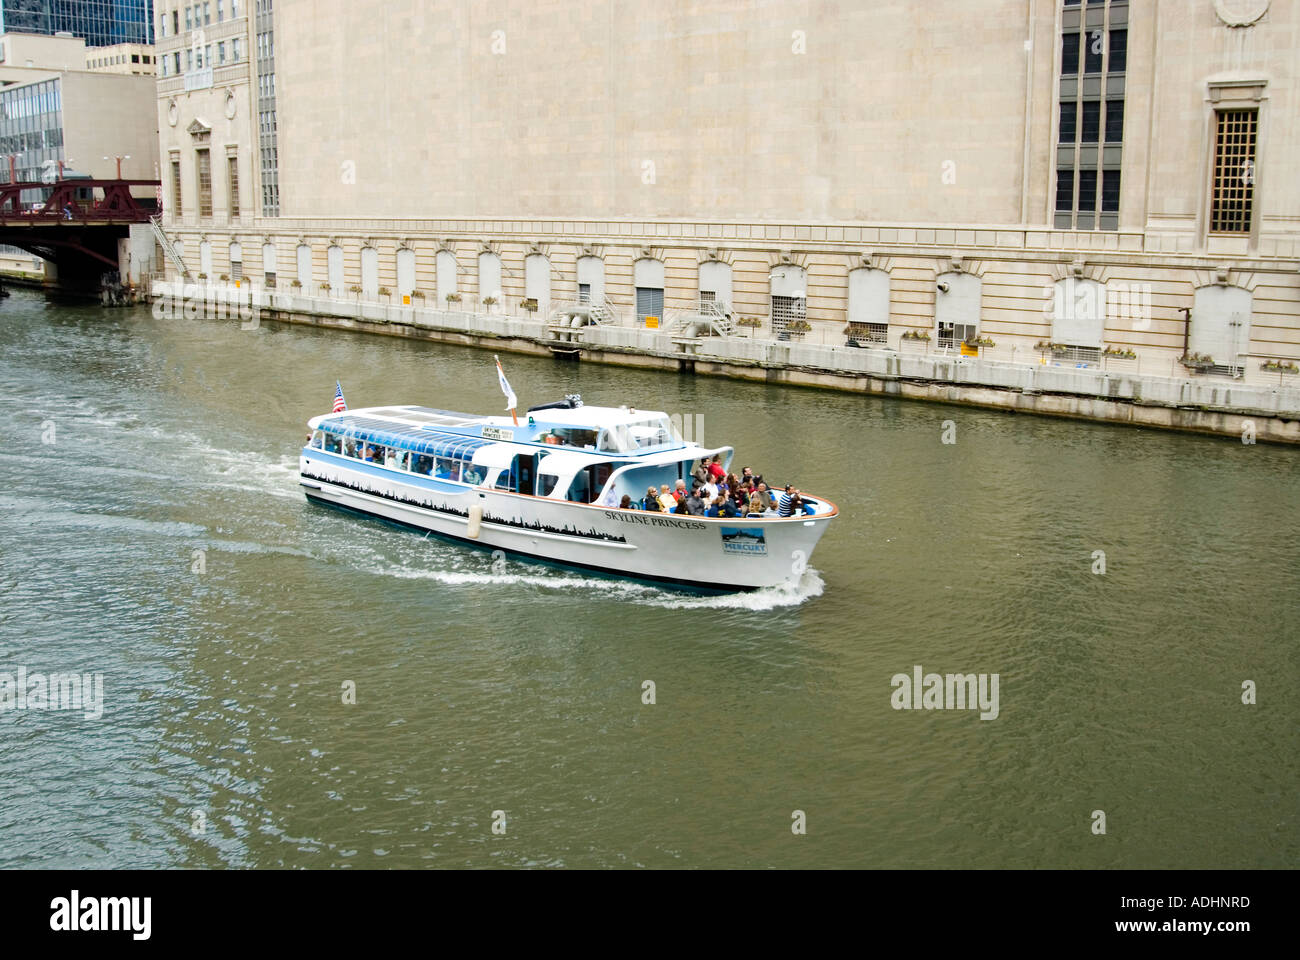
(404, 436)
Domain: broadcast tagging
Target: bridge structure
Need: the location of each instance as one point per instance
(77, 227)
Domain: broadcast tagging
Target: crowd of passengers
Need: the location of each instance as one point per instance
(715, 493)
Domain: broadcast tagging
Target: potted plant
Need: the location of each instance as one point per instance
(1120, 353)
(417, 294)
(916, 335)
(355, 288)
(980, 341)
(452, 298)
(295, 284)
(753, 323)
(529, 304)
(203, 276)
(325, 287)
(385, 292)
(1197, 361)
(224, 277)
(489, 302)
(1280, 366)
(797, 328)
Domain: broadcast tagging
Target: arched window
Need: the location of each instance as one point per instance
(405, 272)
(1220, 320)
(1079, 319)
(648, 278)
(236, 261)
(489, 277)
(537, 281)
(789, 285)
(205, 258)
(334, 265)
(715, 285)
(303, 256)
(446, 274)
(591, 280)
(957, 308)
(868, 305)
(369, 271)
(268, 263)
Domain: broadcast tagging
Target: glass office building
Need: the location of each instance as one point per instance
(99, 22)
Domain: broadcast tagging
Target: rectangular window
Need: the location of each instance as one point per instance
(176, 188)
(1087, 191)
(1069, 54)
(189, 22)
(1065, 191)
(219, 11)
(204, 170)
(1118, 51)
(1069, 117)
(207, 12)
(234, 49)
(221, 52)
(1233, 192)
(1090, 129)
(1114, 121)
(1094, 45)
(1110, 191)
(176, 22)
(232, 184)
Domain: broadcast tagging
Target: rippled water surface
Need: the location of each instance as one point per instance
(225, 742)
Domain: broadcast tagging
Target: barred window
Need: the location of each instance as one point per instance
(1232, 202)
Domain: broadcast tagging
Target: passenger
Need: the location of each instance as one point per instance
(785, 505)
(667, 502)
(390, 461)
(679, 492)
(727, 507)
(747, 476)
(694, 505)
(716, 470)
(651, 500)
(765, 498)
(755, 508)
(626, 503)
(710, 491)
(701, 473)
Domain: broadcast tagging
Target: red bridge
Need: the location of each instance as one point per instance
(77, 226)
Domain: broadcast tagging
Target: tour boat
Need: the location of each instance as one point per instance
(549, 488)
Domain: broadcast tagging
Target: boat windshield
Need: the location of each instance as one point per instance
(650, 433)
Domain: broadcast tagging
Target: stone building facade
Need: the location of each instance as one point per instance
(1077, 181)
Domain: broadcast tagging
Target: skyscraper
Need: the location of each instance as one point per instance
(98, 22)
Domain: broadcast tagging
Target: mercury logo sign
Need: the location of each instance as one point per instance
(75, 913)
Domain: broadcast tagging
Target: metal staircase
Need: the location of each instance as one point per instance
(708, 313)
(599, 312)
(168, 247)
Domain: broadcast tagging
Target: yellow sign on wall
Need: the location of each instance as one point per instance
(652, 323)
(406, 299)
(967, 351)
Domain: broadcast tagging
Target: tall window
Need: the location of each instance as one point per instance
(204, 170)
(232, 185)
(1090, 133)
(1233, 199)
(176, 188)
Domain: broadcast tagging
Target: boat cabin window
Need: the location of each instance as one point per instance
(588, 482)
(472, 474)
(317, 440)
(447, 469)
(645, 434)
(546, 484)
(332, 443)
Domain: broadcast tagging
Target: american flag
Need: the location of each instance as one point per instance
(339, 403)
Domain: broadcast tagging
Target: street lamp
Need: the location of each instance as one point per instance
(119, 164)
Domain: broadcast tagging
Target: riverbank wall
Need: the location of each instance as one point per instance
(1206, 405)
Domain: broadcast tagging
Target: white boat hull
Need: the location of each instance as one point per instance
(727, 554)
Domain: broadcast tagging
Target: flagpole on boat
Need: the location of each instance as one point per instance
(511, 403)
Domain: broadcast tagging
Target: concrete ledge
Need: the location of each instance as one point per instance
(1219, 408)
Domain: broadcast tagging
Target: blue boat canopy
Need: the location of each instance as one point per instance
(389, 434)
